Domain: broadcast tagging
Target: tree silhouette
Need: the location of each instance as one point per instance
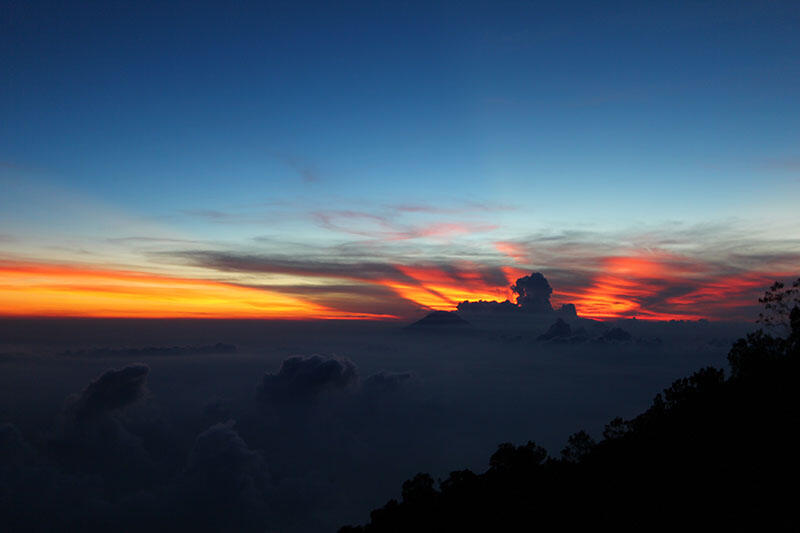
(779, 301)
(579, 445)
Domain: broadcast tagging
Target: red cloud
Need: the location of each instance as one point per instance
(658, 285)
(512, 250)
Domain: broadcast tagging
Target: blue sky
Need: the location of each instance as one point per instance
(230, 124)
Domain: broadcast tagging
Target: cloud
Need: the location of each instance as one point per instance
(465, 207)
(790, 164)
(431, 285)
(491, 306)
(41, 289)
(149, 351)
(653, 272)
(386, 229)
(301, 381)
(233, 261)
(151, 240)
(682, 272)
(222, 469)
(307, 171)
(224, 486)
(515, 251)
(113, 390)
(95, 435)
(533, 293)
(209, 214)
(304, 379)
(385, 382)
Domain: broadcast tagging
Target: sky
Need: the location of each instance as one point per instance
(376, 160)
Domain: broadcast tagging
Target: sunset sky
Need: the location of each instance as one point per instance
(376, 160)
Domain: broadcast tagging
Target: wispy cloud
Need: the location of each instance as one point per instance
(458, 208)
(673, 271)
(790, 164)
(387, 229)
(307, 171)
(715, 270)
(430, 284)
(151, 240)
(209, 214)
(690, 272)
(45, 289)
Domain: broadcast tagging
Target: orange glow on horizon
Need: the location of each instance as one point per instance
(440, 290)
(647, 285)
(624, 282)
(43, 290)
(630, 286)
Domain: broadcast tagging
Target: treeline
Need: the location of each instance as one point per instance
(711, 452)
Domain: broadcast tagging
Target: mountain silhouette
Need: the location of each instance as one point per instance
(440, 320)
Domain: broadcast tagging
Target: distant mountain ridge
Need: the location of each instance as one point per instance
(440, 319)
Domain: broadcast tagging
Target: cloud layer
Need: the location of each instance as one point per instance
(395, 270)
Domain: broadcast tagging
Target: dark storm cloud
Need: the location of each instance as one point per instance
(303, 379)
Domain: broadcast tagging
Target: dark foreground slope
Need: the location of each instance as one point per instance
(710, 452)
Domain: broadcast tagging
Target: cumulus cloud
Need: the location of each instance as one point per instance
(93, 436)
(113, 390)
(533, 296)
(533, 293)
(304, 379)
(385, 382)
(223, 486)
(226, 480)
(483, 306)
(310, 461)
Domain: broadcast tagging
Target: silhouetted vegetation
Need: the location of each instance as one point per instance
(711, 452)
